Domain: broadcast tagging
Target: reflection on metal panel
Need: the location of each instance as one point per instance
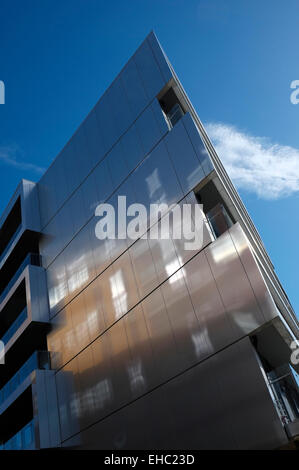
(200, 409)
(196, 313)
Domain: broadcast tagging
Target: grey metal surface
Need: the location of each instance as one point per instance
(200, 409)
(192, 317)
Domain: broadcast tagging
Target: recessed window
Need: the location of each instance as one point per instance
(215, 209)
(171, 107)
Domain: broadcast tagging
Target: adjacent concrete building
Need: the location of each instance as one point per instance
(141, 344)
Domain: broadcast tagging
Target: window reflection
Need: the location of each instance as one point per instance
(81, 333)
(75, 405)
(97, 396)
(137, 381)
(103, 393)
(202, 343)
(86, 401)
(155, 187)
(119, 294)
(58, 292)
(69, 340)
(80, 274)
(92, 321)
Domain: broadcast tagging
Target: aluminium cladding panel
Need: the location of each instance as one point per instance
(136, 273)
(30, 206)
(160, 57)
(214, 405)
(237, 295)
(225, 313)
(37, 294)
(254, 274)
(241, 286)
(157, 179)
(103, 181)
(27, 191)
(129, 95)
(45, 409)
(86, 257)
(194, 314)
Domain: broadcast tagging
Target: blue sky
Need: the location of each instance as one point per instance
(236, 60)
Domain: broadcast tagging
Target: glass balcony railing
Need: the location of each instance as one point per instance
(39, 360)
(31, 259)
(15, 326)
(219, 220)
(286, 394)
(10, 243)
(175, 114)
(22, 440)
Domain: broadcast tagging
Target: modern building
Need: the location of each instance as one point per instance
(123, 344)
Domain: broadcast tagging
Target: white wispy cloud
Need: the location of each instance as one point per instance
(12, 156)
(256, 164)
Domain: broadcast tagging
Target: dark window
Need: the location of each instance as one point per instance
(215, 209)
(171, 107)
(10, 226)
